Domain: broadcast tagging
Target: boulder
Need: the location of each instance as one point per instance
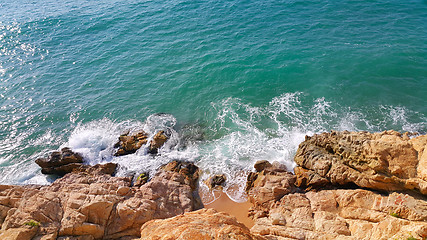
(129, 144)
(204, 224)
(60, 163)
(22, 233)
(261, 165)
(386, 161)
(90, 204)
(157, 142)
(216, 182)
(269, 185)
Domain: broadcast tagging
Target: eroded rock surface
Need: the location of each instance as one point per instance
(130, 143)
(387, 161)
(93, 205)
(332, 214)
(204, 224)
(216, 182)
(269, 185)
(157, 142)
(60, 163)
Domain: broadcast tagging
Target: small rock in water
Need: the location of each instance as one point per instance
(216, 181)
(158, 141)
(60, 163)
(129, 144)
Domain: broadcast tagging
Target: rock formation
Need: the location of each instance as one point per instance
(129, 144)
(216, 182)
(60, 163)
(157, 142)
(322, 200)
(387, 161)
(204, 224)
(332, 214)
(94, 205)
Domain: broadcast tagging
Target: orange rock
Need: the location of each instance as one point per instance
(90, 204)
(387, 161)
(333, 214)
(204, 224)
(157, 142)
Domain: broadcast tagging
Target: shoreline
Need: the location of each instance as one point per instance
(313, 202)
(238, 210)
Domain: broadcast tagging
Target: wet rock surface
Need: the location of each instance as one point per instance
(130, 143)
(216, 182)
(322, 200)
(60, 162)
(157, 142)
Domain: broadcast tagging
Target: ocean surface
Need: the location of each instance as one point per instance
(234, 81)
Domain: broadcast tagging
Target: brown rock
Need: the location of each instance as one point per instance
(141, 180)
(216, 181)
(261, 165)
(187, 169)
(21, 233)
(98, 169)
(89, 204)
(60, 163)
(269, 185)
(387, 161)
(343, 214)
(331, 214)
(309, 179)
(204, 224)
(157, 142)
(129, 144)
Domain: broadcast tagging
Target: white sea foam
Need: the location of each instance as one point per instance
(236, 136)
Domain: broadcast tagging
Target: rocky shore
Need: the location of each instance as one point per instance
(347, 185)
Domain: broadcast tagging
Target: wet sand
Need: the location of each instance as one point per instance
(238, 210)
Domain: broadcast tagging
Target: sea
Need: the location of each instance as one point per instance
(232, 81)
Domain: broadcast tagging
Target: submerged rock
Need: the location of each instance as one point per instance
(60, 163)
(387, 161)
(89, 204)
(204, 224)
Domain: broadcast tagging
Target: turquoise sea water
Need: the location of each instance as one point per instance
(235, 81)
